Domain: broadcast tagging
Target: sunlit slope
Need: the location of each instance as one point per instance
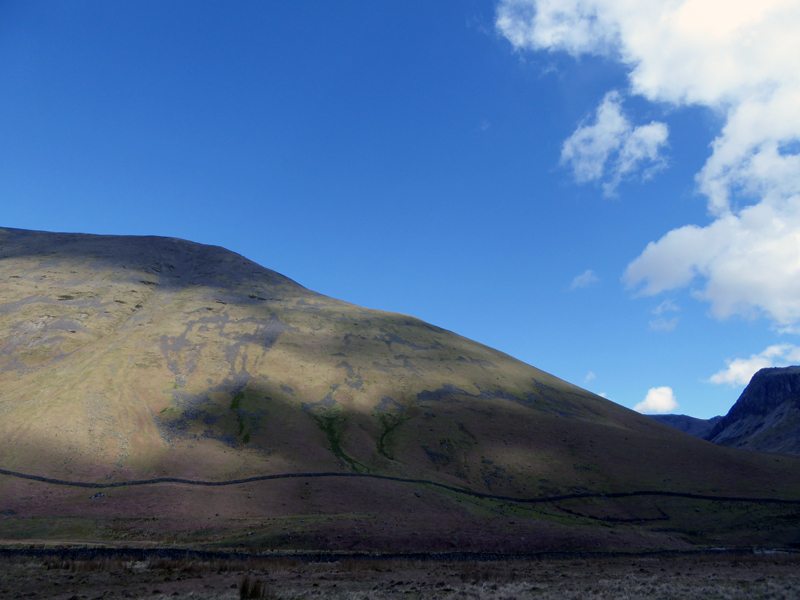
(128, 358)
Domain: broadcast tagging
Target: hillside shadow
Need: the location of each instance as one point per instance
(445, 411)
(171, 262)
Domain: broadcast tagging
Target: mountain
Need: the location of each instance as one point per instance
(766, 417)
(691, 425)
(155, 390)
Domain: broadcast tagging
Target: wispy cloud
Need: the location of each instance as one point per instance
(739, 59)
(589, 377)
(740, 370)
(662, 321)
(611, 149)
(658, 400)
(584, 280)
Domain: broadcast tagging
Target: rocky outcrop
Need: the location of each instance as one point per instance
(691, 425)
(766, 417)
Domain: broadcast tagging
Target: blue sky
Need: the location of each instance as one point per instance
(618, 209)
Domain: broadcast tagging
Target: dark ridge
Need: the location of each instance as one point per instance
(768, 390)
(691, 425)
(173, 262)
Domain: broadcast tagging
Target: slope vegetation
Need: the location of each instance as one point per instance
(136, 358)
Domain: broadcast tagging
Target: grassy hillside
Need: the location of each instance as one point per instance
(128, 358)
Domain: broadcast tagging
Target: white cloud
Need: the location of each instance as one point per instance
(658, 400)
(569, 25)
(662, 322)
(584, 280)
(589, 377)
(612, 140)
(740, 370)
(750, 263)
(738, 57)
(666, 306)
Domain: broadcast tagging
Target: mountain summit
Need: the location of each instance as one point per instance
(766, 417)
(157, 389)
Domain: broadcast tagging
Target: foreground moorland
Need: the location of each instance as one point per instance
(678, 577)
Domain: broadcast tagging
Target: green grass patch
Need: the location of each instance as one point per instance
(331, 422)
(45, 528)
(389, 424)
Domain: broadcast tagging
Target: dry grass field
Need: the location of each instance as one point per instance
(682, 577)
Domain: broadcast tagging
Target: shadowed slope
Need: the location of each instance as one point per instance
(766, 417)
(691, 425)
(135, 358)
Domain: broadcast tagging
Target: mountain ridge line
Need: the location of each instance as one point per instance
(131, 362)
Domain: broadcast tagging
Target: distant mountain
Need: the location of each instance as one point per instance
(696, 427)
(232, 406)
(766, 417)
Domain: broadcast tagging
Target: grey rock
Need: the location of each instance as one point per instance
(766, 417)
